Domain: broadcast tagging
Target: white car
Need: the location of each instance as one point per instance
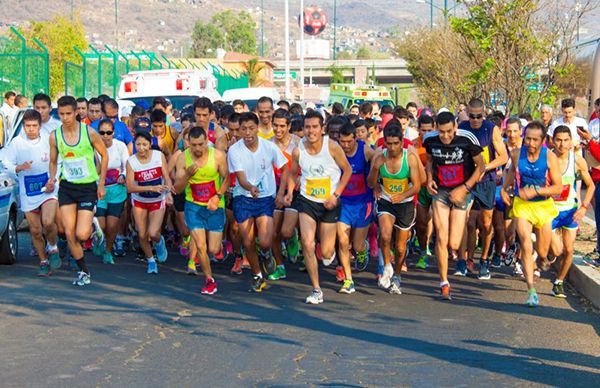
(10, 215)
(251, 95)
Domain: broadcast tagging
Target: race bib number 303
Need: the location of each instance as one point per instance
(318, 188)
(451, 175)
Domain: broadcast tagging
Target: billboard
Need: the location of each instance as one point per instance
(314, 49)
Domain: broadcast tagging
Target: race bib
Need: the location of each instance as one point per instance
(356, 185)
(202, 192)
(566, 189)
(34, 184)
(151, 177)
(112, 176)
(451, 175)
(394, 186)
(318, 188)
(75, 169)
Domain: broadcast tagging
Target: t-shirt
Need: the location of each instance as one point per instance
(257, 165)
(452, 164)
(411, 134)
(48, 127)
(117, 161)
(122, 132)
(577, 122)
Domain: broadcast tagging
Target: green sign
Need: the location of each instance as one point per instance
(279, 75)
(536, 87)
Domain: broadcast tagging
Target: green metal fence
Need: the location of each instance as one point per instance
(23, 69)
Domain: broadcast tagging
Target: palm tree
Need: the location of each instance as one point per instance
(253, 70)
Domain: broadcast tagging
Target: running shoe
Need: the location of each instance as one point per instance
(461, 268)
(245, 263)
(161, 250)
(152, 267)
(293, 247)
(386, 279)
(347, 287)
(219, 256)
(63, 247)
(423, 262)
(97, 238)
(373, 247)
(532, 298)
(279, 273)
(510, 255)
(445, 292)
(496, 260)
(340, 275)
(329, 261)
(210, 288)
(54, 259)
(258, 284)
(228, 248)
(594, 255)
(471, 266)
(301, 265)
(82, 279)
(237, 266)
(107, 258)
(44, 270)
(484, 270)
(171, 240)
(32, 252)
(536, 274)
(315, 297)
(362, 261)
(119, 248)
(396, 287)
(543, 264)
(184, 246)
(518, 271)
(140, 256)
(191, 267)
(558, 290)
(267, 262)
(87, 245)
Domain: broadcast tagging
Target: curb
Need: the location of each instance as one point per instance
(586, 280)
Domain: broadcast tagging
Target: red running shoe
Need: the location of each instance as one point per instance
(210, 288)
(340, 275)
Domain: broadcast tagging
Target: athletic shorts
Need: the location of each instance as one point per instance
(538, 213)
(317, 210)
(293, 206)
(150, 206)
(110, 209)
(484, 194)
(199, 217)
(564, 220)
(245, 208)
(424, 198)
(38, 210)
(357, 215)
(443, 196)
(179, 202)
(404, 213)
(85, 195)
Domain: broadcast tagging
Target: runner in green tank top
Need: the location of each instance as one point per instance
(395, 207)
(79, 189)
(202, 172)
(571, 211)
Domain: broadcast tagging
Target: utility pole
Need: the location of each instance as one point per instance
(287, 50)
(334, 29)
(301, 49)
(116, 25)
(262, 28)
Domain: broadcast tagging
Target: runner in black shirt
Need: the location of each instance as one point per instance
(454, 165)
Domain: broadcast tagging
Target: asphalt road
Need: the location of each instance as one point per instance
(132, 329)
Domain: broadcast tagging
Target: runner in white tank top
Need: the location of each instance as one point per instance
(321, 162)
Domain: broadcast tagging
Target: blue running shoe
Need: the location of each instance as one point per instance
(119, 248)
(152, 267)
(532, 298)
(484, 270)
(496, 260)
(461, 268)
(161, 250)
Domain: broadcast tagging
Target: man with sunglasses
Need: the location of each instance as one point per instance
(484, 192)
(110, 110)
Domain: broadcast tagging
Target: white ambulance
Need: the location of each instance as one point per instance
(180, 86)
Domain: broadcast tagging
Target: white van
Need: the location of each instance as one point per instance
(180, 86)
(250, 95)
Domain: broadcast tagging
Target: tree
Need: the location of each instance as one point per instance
(226, 30)
(337, 74)
(253, 70)
(59, 35)
(511, 53)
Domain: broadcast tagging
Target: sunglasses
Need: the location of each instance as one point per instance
(106, 133)
(112, 117)
(476, 117)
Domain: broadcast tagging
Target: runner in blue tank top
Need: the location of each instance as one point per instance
(357, 206)
(535, 176)
(484, 192)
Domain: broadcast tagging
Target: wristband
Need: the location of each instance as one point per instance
(586, 206)
(537, 189)
(469, 188)
(337, 196)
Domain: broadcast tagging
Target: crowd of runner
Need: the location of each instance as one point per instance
(277, 184)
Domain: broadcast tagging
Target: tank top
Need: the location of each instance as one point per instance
(78, 165)
(567, 199)
(168, 139)
(485, 136)
(356, 191)
(287, 152)
(530, 174)
(205, 182)
(395, 183)
(148, 174)
(320, 173)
